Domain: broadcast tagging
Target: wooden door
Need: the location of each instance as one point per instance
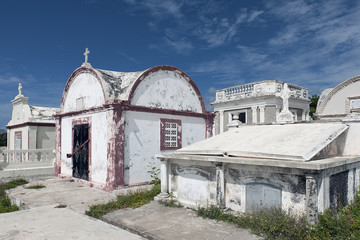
(80, 157)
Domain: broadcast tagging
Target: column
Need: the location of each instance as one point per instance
(58, 148)
(220, 185)
(254, 114)
(351, 184)
(311, 199)
(262, 114)
(303, 117)
(324, 192)
(164, 176)
(221, 112)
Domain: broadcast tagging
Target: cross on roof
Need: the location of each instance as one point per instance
(86, 53)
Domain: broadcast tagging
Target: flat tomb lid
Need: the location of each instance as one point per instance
(298, 142)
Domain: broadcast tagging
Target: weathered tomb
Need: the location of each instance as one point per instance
(304, 167)
(258, 103)
(30, 127)
(111, 124)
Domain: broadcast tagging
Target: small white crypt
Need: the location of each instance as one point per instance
(304, 168)
(111, 124)
(30, 128)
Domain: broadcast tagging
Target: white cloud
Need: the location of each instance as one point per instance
(254, 15)
(159, 8)
(219, 31)
(181, 46)
(6, 79)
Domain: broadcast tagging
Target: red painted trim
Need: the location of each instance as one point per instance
(128, 106)
(27, 124)
(83, 120)
(166, 68)
(162, 133)
(20, 133)
(77, 72)
(86, 111)
(166, 111)
(115, 149)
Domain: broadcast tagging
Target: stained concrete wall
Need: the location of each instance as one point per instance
(97, 148)
(45, 137)
(142, 141)
(290, 182)
(300, 191)
(87, 87)
(270, 114)
(193, 185)
(167, 90)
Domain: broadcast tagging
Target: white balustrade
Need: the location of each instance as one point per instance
(242, 89)
(29, 156)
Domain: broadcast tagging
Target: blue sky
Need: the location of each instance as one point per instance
(219, 44)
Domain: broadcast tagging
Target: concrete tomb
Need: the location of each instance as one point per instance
(304, 168)
(111, 124)
(30, 135)
(259, 103)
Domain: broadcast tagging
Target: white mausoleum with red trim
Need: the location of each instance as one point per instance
(111, 124)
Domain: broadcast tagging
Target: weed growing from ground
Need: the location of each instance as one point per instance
(61, 206)
(132, 200)
(36, 186)
(5, 203)
(269, 224)
(15, 183)
(340, 224)
(171, 203)
(154, 174)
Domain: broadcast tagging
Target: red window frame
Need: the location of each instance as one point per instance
(163, 121)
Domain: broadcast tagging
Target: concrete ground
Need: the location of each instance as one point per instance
(41, 220)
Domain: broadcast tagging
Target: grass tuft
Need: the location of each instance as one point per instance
(171, 203)
(15, 183)
(271, 223)
(132, 200)
(5, 203)
(61, 206)
(36, 186)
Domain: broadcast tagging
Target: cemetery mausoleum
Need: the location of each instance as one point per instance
(111, 124)
(257, 103)
(304, 168)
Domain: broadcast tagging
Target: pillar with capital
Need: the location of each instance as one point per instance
(262, 114)
(221, 112)
(254, 114)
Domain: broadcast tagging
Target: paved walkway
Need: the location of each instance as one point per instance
(41, 220)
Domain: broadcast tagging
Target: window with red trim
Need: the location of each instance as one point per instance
(170, 134)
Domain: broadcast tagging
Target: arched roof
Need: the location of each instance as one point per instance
(330, 94)
(121, 86)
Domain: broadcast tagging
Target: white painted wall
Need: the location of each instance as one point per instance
(24, 137)
(84, 86)
(142, 141)
(352, 143)
(45, 137)
(167, 90)
(337, 103)
(98, 146)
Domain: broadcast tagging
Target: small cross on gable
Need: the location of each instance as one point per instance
(86, 53)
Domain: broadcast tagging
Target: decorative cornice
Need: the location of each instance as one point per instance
(26, 124)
